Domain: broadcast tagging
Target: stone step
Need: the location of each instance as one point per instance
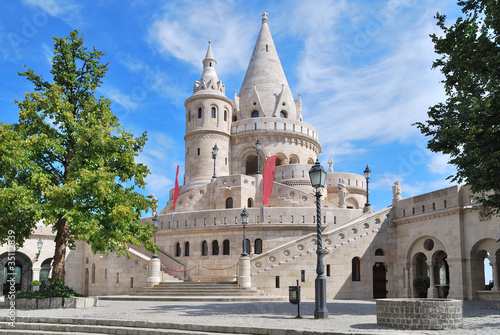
(198, 289)
(78, 326)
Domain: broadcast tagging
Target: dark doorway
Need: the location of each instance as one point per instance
(379, 281)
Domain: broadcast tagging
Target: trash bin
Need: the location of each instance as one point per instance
(294, 297)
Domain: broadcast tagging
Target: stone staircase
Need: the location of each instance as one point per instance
(336, 237)
(80, 326)
(197, 291)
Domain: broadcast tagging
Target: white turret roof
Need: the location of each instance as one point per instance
(265, 88)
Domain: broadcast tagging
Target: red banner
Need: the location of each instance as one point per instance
(268, 180)
(176, 190)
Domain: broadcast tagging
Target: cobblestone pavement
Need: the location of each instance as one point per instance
(345, 316)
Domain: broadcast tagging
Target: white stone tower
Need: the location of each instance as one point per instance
(208, 122)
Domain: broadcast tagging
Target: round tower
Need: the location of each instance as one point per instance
(208, 123)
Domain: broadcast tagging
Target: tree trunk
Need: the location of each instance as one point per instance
(61, 240)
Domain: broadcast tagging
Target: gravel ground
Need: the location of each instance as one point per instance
(346, 316)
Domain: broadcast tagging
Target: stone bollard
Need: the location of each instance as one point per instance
(154, 272)
(244, 278)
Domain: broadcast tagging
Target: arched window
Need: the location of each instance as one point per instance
(177, 249)
(379, 252)
(250, 202)
(93, 273)
(235, 118)
(225, 114)
(283, 114)
(204, 248)
(226, 247)
(213, 113)
(356, 269)
(247, 245)
(189, 116)
(258, 246)
(186, 249)
(200, 113)
(229, 203)
(255, 114)
(215, 247)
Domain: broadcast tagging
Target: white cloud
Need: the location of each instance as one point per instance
(438, 163)
(183, 31)
(67, 10)
(381, 86)
(120, 98)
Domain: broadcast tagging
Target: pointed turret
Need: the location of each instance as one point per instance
(209, 80)
(265, 89)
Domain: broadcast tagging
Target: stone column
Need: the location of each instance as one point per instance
(154, 272)
(244, 277)
(494, 269)
(36, 276)
(431, 292)
(407, 287)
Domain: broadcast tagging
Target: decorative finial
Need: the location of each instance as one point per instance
(264, 17)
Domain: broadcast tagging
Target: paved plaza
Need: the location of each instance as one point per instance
(345, 316)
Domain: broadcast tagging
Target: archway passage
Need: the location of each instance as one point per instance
(21, 270)
(379, 281)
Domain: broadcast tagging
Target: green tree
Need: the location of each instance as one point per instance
(69, 163)
(467, 125)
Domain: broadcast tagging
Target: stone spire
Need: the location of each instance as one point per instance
(209, 82)
(265, 88)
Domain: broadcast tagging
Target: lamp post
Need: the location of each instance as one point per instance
(39, 245)
(215, 150)
(258, 146)
(318, 177)
(155, 222)
(367, 177)
(244, 222)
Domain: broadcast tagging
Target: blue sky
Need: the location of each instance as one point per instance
(363, 69)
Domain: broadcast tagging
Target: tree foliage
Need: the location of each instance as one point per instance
(69, 163)
(467, 125)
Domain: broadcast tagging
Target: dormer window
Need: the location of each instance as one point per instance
(255, 114)
(283, 115)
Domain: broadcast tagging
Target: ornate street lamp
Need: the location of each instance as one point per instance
(318, 177)
(367, 177)
(156, 220)
(39, 245)
(244, 222)
(215, 150)
(258, 146)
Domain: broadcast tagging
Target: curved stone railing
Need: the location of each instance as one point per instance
(332, 239)
(272, 123)
(421, 314)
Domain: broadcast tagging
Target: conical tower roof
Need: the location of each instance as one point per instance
(209, 82)
(265, 88)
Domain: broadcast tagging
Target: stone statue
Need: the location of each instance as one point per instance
(396, 190)
(155, 205)
(330, 165)
(342, 193)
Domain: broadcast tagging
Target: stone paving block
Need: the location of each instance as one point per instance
(43, 303)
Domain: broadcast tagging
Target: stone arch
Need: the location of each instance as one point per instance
(23, 265)
(294, 159)
(482, 249)
(425, 246)
(280, 158)
(352, 203)
(310, 161)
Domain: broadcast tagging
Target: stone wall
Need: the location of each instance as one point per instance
(421, 314)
